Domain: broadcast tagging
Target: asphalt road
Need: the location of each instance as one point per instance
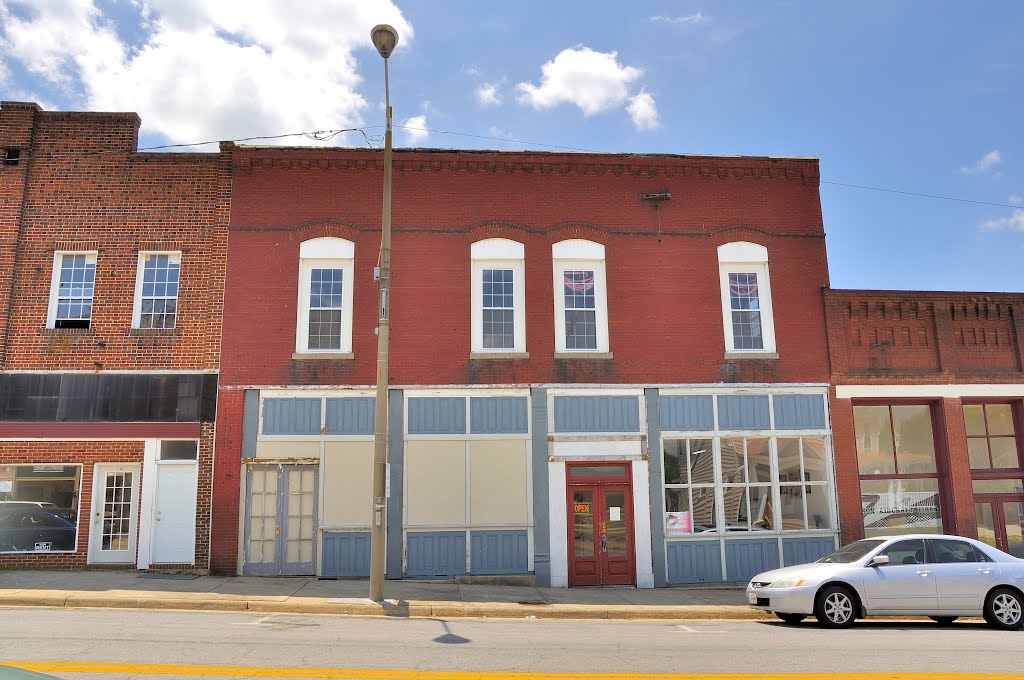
(135, 643)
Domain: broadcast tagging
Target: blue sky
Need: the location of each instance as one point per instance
(919, 96)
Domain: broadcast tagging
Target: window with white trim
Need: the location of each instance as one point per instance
(156, 290)
(746, 298)
(581, 298)
(498, 312)
(71, 290)
(325, 296)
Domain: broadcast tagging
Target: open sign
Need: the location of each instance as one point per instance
(582, 508)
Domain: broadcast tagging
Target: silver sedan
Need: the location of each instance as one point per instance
(942, 577)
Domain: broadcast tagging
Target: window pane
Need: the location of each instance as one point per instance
(915, 446)
(900, 506)
(702, 516)
(1004, 452)
(597, 471)
(702, 464)
(760, 509)
(986, 523)
(814, 459)
(580, 329)
(977, 450)
(746, 330)
(791, 500)
(674, 457)
(39, 507)
(974, 419)
(789, 459)
(818, 513)
(325, 329)
(1000, 418)
(732, 460)
(583, 524)
(758, 460)
(1013, 516)
(874, 440)
(998, 486)
(906, 552)
(179, 450)
(578, 289)
(499, 328)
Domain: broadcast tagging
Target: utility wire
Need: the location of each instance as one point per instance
(914, 193)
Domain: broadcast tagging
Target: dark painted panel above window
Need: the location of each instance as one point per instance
(799, 411)
(597, 414)
(687, 413)
(743, 412)
(498, 415)
(351, 415)
(108, 397)
(437, 415)
(291, 415)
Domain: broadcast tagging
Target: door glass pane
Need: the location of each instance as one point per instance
(986, 523)
(977, 449)
(874, 440)
(900, 506)
(1000, 419)
(915, 446)
(1014, 515)
(583, 524)
(759, 467)
(702, 464)
(1004, 452)
(117, 511)
(974, 420)
(615, 518)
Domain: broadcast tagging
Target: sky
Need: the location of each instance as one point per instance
(911, 96)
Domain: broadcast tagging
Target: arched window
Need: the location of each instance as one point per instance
(498, 290)
(581, 297)
(325, 296)
(746, 298)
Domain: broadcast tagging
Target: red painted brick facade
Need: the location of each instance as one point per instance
(902, 338)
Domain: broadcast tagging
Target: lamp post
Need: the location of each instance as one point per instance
(384, 39)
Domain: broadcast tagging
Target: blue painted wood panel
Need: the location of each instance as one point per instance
(437, 415)
(498, 415)
(743, 412)
(694, 561)
(346, 553)
(799, 411)
(350, 415)
(435, 553)
(805, 549)
(499, 552)
(597, 414)
(291, 416)
(687, 412)
(749, 556)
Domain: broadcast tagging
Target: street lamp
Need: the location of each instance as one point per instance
(384, 39)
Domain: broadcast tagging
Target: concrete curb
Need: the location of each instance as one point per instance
(394, 609)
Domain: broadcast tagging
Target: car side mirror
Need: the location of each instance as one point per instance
(878, 560)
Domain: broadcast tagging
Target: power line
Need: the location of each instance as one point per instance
(914, 193)
(497, 139)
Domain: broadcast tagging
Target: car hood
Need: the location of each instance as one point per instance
(815, 570)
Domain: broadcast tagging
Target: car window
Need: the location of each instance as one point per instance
(906, 552)
(945, 550)
(852, 552)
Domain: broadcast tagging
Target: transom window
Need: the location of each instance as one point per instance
(581, 308)
(71, 290)
(498, 315)
(991, 437)
(746, 298)
(156, 290)
(325, 296)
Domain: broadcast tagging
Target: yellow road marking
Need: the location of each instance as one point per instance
(385, 674)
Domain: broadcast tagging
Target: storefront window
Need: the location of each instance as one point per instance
(991, 439)
(690, 487)
(39, 507)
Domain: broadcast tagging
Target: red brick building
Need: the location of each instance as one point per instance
(605, 368)
(111, 292)
(927, 413)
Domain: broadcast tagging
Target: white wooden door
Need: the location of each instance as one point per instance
(115, 513)
(174, 517)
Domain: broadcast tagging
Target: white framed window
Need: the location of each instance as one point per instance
(746, 298)
(499, 299)
(71, 290)
(581, 297)
(156, 290)
(325, 296)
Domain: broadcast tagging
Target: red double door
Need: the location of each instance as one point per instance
(600, 524)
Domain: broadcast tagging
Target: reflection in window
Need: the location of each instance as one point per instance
(690, 487)
(900, 506)
(39, 507)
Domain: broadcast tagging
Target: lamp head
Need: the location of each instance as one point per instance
(384, 38)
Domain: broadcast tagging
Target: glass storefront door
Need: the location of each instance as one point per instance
(1001, 522)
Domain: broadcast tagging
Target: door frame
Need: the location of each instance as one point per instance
(99, 483)
(598, 485)
(283, 468)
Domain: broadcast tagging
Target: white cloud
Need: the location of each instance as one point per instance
(984, 164)
(643, 111)
(206, 70)
(488, 94)
(593, 81)
(1015, 199)
(415, 129)
(1015, 222)
(697, 18)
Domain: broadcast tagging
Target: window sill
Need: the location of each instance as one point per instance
(322, 356)
(484, 356)
(69, 331)
(584, 355)
(153, 331)
(732, 356)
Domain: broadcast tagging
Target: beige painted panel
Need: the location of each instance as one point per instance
(348, 483)
(287, 449)
(498, 492)
(436, 487)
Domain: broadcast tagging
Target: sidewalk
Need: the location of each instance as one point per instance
(300, 595)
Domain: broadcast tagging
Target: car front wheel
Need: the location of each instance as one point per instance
(835, 607)
(1004, 609)
(791, 619)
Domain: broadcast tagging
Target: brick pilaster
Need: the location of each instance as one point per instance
(959, 506)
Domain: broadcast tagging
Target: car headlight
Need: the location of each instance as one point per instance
(789, 582)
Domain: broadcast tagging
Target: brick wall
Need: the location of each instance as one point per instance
(226, 470)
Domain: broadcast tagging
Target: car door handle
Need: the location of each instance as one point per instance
(985, 570)
(923, 572)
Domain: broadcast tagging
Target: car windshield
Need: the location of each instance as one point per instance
(852, 552)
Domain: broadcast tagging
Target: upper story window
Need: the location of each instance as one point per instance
(325, 296)
(991, 438)
(71, 290)
(581, 296)
(499, 309)
(156, 290)
(746, 298)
